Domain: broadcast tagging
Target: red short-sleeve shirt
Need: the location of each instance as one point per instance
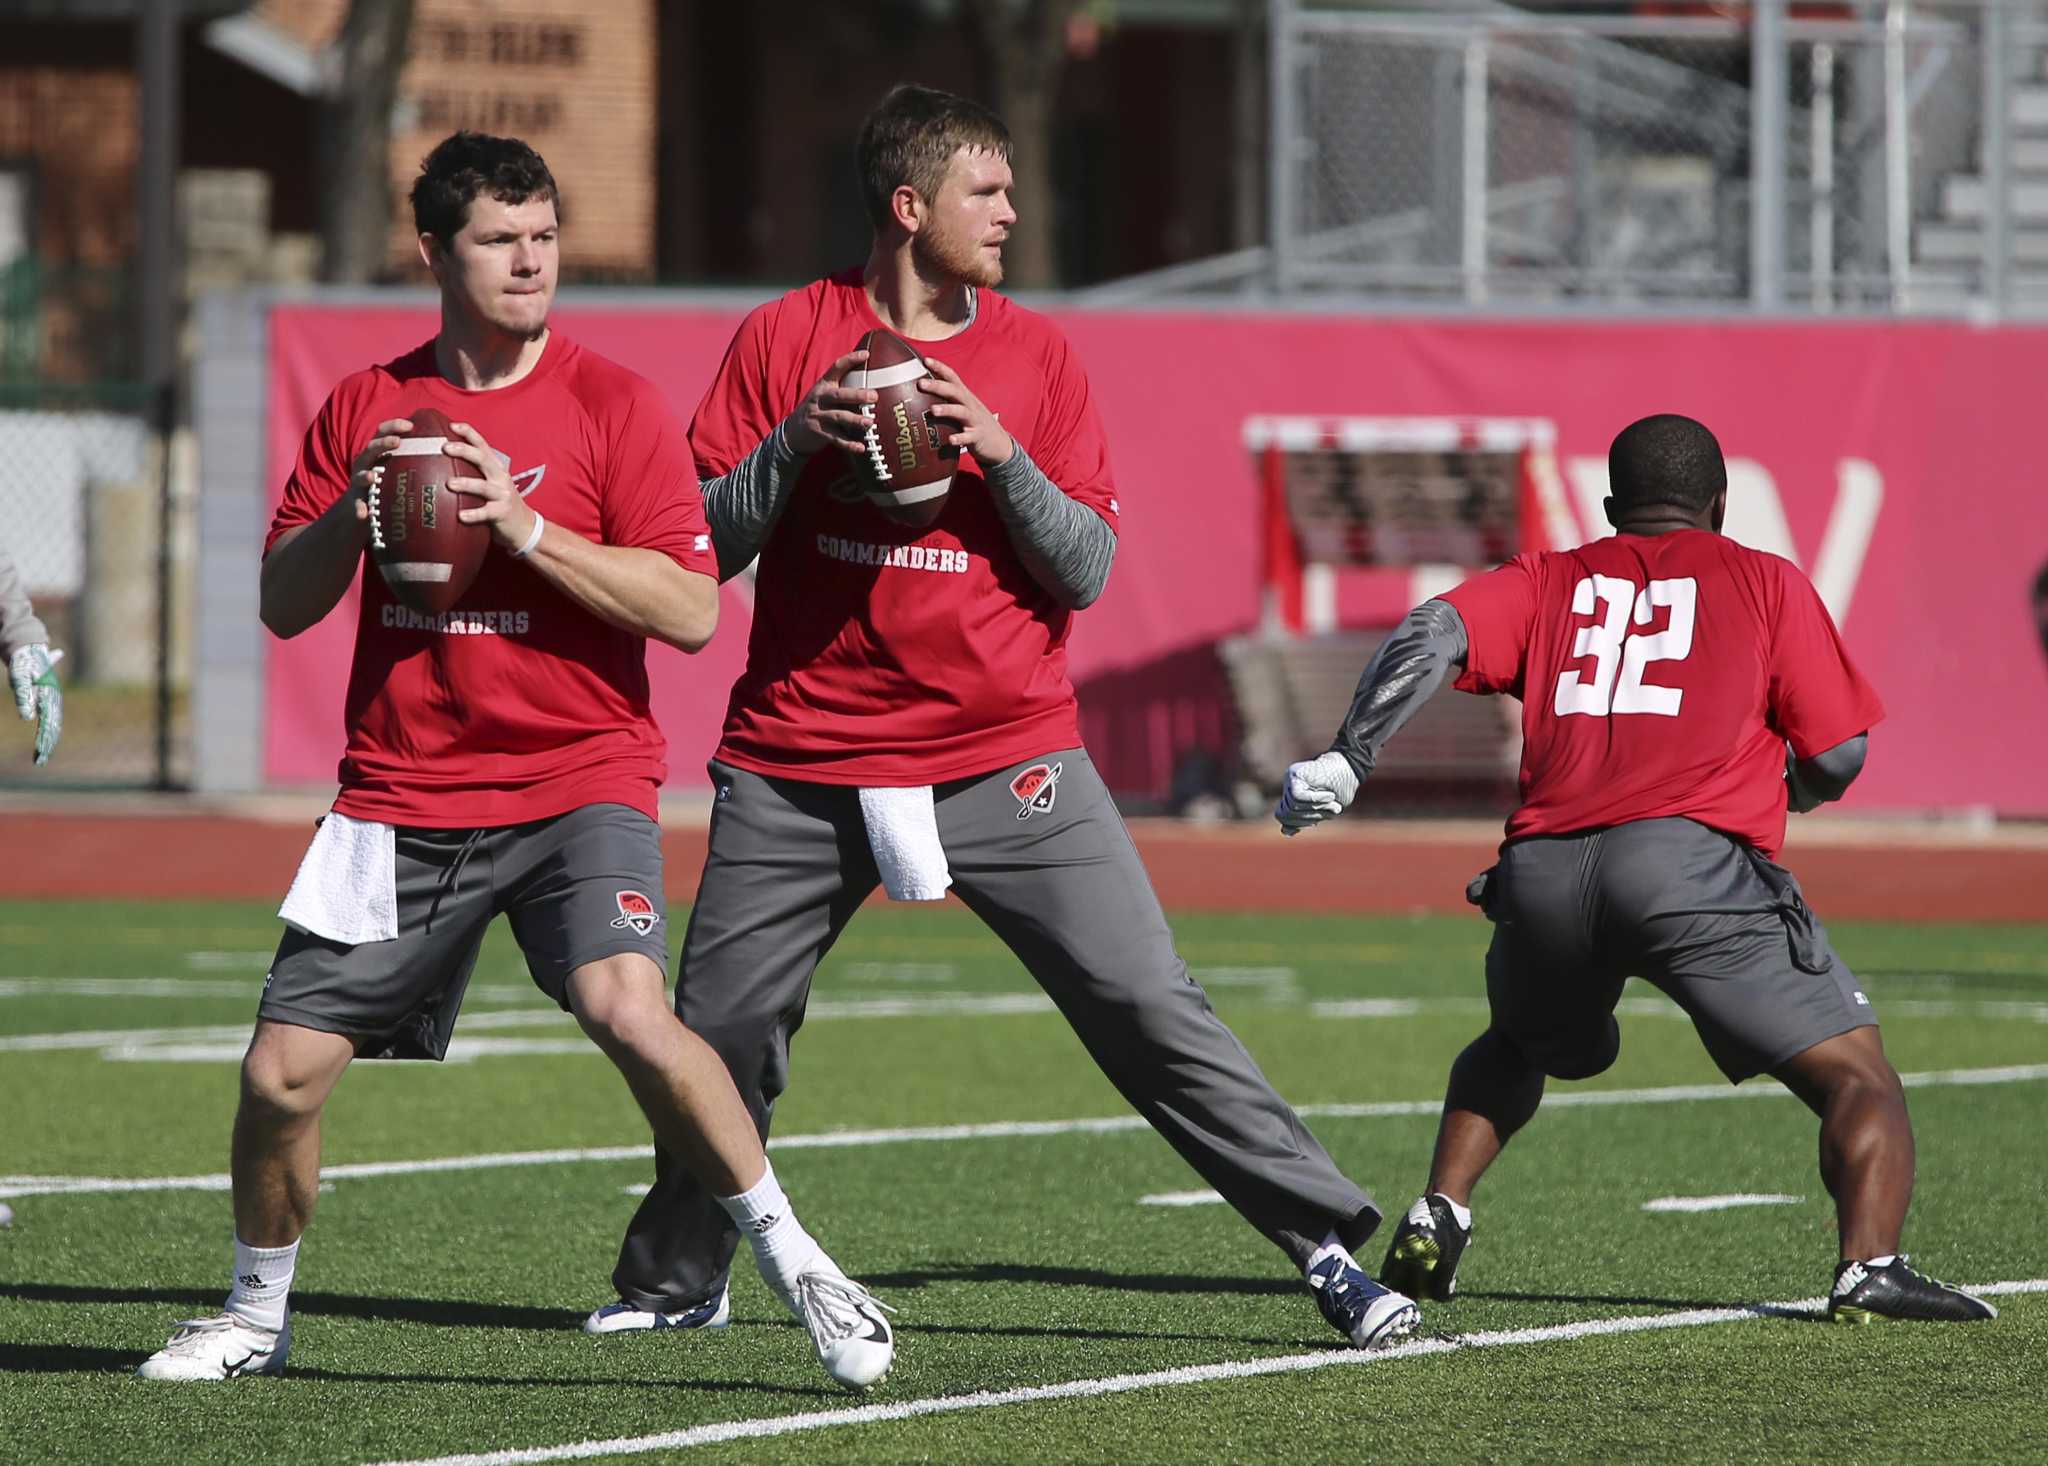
(518, 704)
(883, 654)
(1660, 675)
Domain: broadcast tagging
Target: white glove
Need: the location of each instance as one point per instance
(1315, 790)
(32, 671)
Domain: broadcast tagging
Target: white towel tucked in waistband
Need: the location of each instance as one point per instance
(903, 830)
(347, 886)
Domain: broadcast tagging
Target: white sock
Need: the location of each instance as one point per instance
(1462, 1213)
(1331, 1248)
(263, 1280)
(781, 1245)
(1874, 1263)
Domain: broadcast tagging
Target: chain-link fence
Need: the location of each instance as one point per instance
(82, 515)
(1833, 161)
(1868, 155)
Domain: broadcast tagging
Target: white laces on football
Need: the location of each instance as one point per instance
(832, 1305)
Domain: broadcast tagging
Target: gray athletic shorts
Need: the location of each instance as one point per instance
(1719, 928)
(578, 887)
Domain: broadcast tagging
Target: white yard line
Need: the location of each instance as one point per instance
(25, 1185)
(223, 1043)
(1720, 1203)
(188, 987)
(1181, 1198)
(1661, 1007)
(764, 1428)
(1661, 1203)
(131, 1043)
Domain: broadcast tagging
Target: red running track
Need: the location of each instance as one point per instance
(1386, 868)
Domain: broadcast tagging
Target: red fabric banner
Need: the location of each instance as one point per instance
(1882, 457)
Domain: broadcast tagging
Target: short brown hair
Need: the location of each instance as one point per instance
(911, 137)
(463, 167)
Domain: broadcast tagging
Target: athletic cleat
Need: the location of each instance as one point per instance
(1423, 1257)
(1358, 1308)
(1863, 1294)
(623, 1317)
(221, 1347)
(853, 1339)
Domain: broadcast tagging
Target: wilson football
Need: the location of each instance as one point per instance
(908, 468)
(428, 556)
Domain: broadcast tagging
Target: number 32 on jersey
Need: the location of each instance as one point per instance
(1620, 655)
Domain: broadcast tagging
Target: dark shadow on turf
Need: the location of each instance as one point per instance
(74, 1359)
(665, 1382)
(451, 1313)
(65, 1359)
(1624, 1300)
(1077, 1277)
(1141, 1336)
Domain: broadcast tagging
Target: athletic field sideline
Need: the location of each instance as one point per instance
(1643, 1283)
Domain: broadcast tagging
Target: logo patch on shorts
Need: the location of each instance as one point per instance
(637, 912)
(1035, 788)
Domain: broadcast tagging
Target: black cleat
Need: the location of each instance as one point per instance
(1864, 1294)
(1423, 1258)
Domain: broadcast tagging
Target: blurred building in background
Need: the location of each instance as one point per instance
(1568, 158)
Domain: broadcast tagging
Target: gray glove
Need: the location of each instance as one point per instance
(32, 671)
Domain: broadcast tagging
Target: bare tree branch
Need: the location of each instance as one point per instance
(1020, 49)
(355, 140)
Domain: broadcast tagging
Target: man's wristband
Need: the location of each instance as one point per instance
(533, 539)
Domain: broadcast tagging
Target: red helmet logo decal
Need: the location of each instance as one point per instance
(637, 912)
(1035, 789)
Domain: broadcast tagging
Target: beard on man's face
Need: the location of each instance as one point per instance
(952, 257)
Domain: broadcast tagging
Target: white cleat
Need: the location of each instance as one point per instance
(221, 1347)
(853, 1339)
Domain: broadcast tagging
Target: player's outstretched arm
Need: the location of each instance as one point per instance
(311, 566)
(638, 590)
(1404, 673)
(31, 665)
(1812, 782)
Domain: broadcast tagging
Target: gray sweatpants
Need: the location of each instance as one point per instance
(1046, 862)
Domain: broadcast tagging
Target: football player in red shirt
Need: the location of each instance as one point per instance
(501, 757)
(908, 688)
(1679, 692)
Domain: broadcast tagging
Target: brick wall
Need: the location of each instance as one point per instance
(575, 80)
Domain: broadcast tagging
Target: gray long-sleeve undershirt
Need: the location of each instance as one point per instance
(1403, 674)
(1812, 782)
(744, 504)
(19, 625)
(1066, 546)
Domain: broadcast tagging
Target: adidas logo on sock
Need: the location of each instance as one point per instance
(250, 1280)
(762, 1224)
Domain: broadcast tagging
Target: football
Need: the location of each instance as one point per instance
(908, 468)
(428, 556)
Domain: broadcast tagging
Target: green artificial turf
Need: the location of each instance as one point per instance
(439, 1312)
